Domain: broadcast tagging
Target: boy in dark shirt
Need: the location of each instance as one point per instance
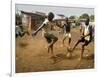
(67, 33)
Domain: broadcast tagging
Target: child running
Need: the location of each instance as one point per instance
(85, 38)
(67, 33)
(47, 28)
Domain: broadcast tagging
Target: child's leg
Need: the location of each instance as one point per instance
(51, 39)
(83, 46)
(80, 40)
(54, 39)
(63, 40)
(69, 39)
(65, 36)
(52, 49)
(81, 55)
(48, 40)
(48, 49)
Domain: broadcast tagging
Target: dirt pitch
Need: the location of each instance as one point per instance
(32, 55)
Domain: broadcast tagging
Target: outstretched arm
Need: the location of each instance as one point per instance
(39, 29)
(43, 24)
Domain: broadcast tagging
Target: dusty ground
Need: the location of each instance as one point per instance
(32, 56)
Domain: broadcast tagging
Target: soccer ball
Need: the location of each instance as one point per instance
(69, 49)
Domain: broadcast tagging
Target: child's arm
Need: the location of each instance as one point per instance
(83, 36)
(38, 29)
(43, 24)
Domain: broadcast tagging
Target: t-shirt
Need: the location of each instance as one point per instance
(67, 27)
(88, 30)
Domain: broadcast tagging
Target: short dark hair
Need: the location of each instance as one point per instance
(50, 16)
(66, 19)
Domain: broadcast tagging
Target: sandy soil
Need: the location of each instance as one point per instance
(32, 55)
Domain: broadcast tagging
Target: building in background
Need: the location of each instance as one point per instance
(32, 20)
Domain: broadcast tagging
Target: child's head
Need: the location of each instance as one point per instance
(87, 21)
(50, 16)
(66, 19)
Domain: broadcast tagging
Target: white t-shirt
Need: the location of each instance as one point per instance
(46, 21)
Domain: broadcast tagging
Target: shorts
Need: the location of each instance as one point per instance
(85, 42)
(67, 35)
(50, 37)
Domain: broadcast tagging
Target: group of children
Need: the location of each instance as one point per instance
(48, 25)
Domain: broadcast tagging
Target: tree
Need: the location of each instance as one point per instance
(85, 15)
(92, 17)
(72, 17)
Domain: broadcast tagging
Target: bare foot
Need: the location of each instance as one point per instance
(79, 59)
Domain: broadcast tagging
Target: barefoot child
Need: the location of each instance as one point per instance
(47, 28)
(67, 28)
(85, 38)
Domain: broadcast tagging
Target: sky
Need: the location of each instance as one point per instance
(67, 11)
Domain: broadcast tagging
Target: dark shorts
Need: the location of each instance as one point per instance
(85, 42)
(50, 37)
